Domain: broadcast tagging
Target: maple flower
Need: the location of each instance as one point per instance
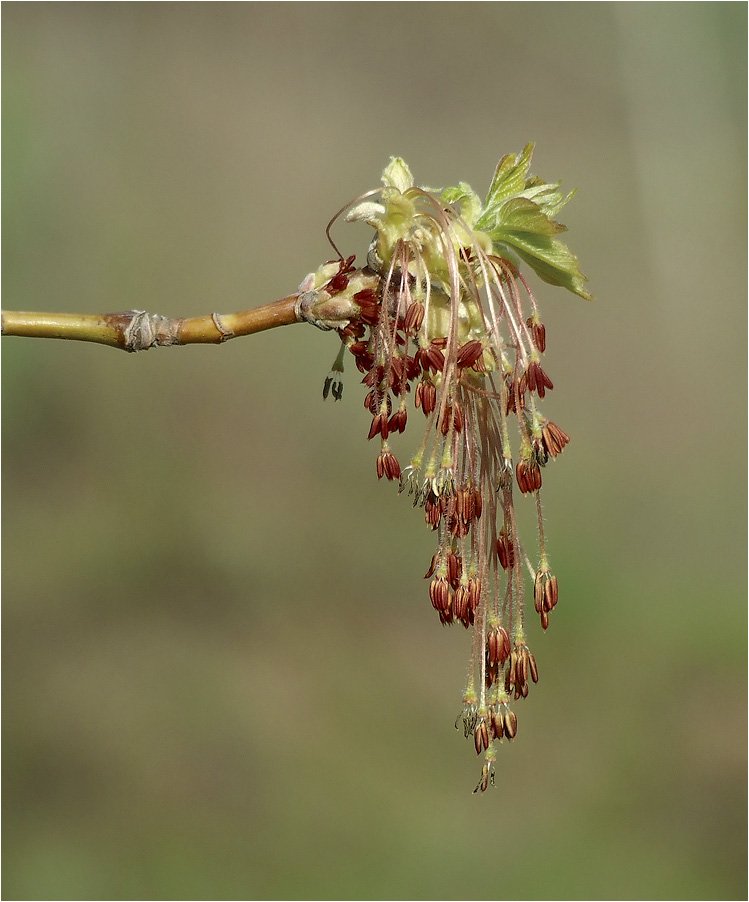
(442, 312)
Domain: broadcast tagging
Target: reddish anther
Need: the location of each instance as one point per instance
(458, 418)
(425, 396)
(505, 551)
(553, 438)
(387, 465)
(461, 606)
(528, 475)
(439, 593)
(538, 331)
(433, 565)
(369, 306)
(469, 353)
(474, 593)
(432, 357)
(379, 426)
(414, 318)
(338, 283)
(398, 420)
(536, 380)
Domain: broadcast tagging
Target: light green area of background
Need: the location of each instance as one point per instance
(222, 675)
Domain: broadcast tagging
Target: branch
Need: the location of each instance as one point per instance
(136, 330)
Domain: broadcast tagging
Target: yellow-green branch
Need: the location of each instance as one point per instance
(136, 330)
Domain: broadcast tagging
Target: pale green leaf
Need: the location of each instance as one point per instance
(522, 215)
(510, 176)
(550, 258)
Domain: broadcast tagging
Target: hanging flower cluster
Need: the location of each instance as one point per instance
(443, 314)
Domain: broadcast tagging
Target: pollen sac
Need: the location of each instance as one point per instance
(528, 475)
(538, 593)
(461, 606)
(511, 724)
(432, 358)
(515, 391)
(369, 306)
(333, 385)
(439, 593)
(454, 569)
(554, 439)
(478, 504)
(446, 616)
(487, 777)
(522, 664)
(362, 356)
(426, 396)
(505, 551)
(414, 318)
(468, 717)
(398, 421)
(538, 331)
(379, 426)
(387, 465)
(433, 564)
(545, 595)
(536, 380)
(497, 645)
(338, 283)
(432, 512)
(474, 594)
(481, 736)
(469, 354)
(551, 593)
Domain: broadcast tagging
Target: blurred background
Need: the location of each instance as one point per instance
(223, 676)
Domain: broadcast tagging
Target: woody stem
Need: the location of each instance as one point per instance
(136, 330)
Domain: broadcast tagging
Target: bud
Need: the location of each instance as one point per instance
(398, 175)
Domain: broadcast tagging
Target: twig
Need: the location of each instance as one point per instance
(137, 330)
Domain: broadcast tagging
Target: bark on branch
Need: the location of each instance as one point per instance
(137, 330)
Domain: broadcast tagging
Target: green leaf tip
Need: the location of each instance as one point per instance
(518, 215)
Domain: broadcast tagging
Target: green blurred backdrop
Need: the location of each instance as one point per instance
(223, 677)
